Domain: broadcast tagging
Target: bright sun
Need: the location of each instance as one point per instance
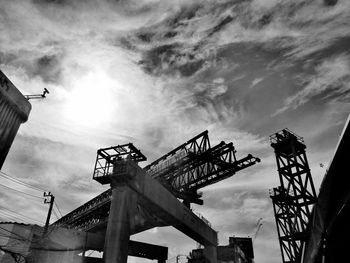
(90, 102)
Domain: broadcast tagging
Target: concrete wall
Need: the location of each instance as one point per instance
(16, 238)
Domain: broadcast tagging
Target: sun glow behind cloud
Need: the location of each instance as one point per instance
(91, 102)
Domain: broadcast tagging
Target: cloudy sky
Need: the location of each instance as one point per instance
(158, 72)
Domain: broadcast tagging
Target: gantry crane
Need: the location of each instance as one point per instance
(184, 170)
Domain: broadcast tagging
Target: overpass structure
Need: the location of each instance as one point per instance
(143, 198)
(329, 225)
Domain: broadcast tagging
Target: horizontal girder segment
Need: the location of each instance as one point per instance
(164, 203)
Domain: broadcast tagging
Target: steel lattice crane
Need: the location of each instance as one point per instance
(294, 198)
(183, 171)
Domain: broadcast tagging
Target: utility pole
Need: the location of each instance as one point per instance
(49, 199)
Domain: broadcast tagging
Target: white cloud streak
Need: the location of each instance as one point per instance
(331, 78)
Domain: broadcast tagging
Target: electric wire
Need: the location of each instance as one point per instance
(41, 198)
(9, 217)
(16, 213)
(11, 178)
(54, 212)
(14, 216)
(58, 209)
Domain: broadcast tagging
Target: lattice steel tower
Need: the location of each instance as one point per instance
(293, 199)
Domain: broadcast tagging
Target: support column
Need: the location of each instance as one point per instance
(118, 228)
(210, 254)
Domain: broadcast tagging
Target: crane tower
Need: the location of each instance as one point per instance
(294, 198)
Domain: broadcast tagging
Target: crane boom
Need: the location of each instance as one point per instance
(184, 170)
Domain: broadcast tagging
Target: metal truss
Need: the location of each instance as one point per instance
(203, 169)
(293, 199)
(106, 157)
(175, 158)
(194, 165)
(184, 170)
(88, 215)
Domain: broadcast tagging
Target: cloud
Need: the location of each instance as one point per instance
(156, 73)
(182, 41)
(331, 81)
(256, 81)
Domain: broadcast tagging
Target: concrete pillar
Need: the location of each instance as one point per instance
(118, 228)
(210, 254)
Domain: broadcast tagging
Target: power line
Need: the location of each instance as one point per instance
(20, 182)
(21, 191)
(54, 212)
(21, 218)
(15, 217)
(16, 213)
(9, 217)
(58, 209)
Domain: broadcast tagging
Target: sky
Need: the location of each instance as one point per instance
(158, 72)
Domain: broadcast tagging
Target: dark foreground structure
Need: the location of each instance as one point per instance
(329, 241)
(14, 110)
(310, 229)
(239, 250)
(294, 198)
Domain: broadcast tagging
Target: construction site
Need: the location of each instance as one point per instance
(312, 227)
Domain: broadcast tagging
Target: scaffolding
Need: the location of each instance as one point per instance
(294, 198)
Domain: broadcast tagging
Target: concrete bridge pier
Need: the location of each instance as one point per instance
(210, 253)
(118, 228)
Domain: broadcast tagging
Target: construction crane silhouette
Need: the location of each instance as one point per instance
(37, 96)
(184, 170)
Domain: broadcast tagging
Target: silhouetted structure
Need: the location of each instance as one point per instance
(239, 250)
(140, 199)
(14, 110)
(293, 199)
(192, 165)
(329, 241)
